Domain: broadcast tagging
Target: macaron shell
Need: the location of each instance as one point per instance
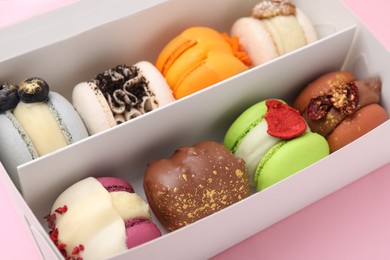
(255, 40)
(40, 121)
(157, 83)
(93, 108)
(139, 231)
(289, 157)
(194, 55)
(181, 43)
(113, 184)
(307, 26)
(217, 67)
(68, 118)
(197, 58)
(356, 125)
(14, 149)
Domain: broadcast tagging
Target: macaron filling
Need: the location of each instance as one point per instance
(287, 33)
(254, 146)
(41, 126)
(279, 19)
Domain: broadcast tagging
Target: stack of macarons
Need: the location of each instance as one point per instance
(193, 60)
(200, 56)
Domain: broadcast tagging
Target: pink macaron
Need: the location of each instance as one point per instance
(99, 218)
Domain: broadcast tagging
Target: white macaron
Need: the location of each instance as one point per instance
(275, 28)
(120, 94)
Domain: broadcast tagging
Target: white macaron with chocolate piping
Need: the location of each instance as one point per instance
(120, 94)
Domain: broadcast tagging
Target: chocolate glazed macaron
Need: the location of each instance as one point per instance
(120, 94)
(274, 141)
(342, 108)
(194, 182)
(34, 121)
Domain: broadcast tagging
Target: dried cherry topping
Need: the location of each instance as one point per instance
(319, 107)
(343, 97)
(283, 121)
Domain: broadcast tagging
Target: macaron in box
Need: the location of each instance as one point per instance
(130, 146)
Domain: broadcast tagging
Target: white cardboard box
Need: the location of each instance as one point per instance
(134, 32)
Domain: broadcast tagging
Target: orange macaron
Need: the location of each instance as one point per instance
(198, 58)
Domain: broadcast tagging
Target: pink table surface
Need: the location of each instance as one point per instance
(352, 223)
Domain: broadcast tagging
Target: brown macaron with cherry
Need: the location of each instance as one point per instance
(342, 108)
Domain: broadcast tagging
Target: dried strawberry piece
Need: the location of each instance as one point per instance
(319, 107)
(76, 250)
(51, 220)
(61, 246)
(62, 210)
(283, 121)
(54, 235)
(64, 253)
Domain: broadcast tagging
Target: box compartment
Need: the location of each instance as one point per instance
(345, 44)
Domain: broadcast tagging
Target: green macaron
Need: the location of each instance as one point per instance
(275, 142)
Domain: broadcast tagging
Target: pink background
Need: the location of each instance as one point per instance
(352, 223)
